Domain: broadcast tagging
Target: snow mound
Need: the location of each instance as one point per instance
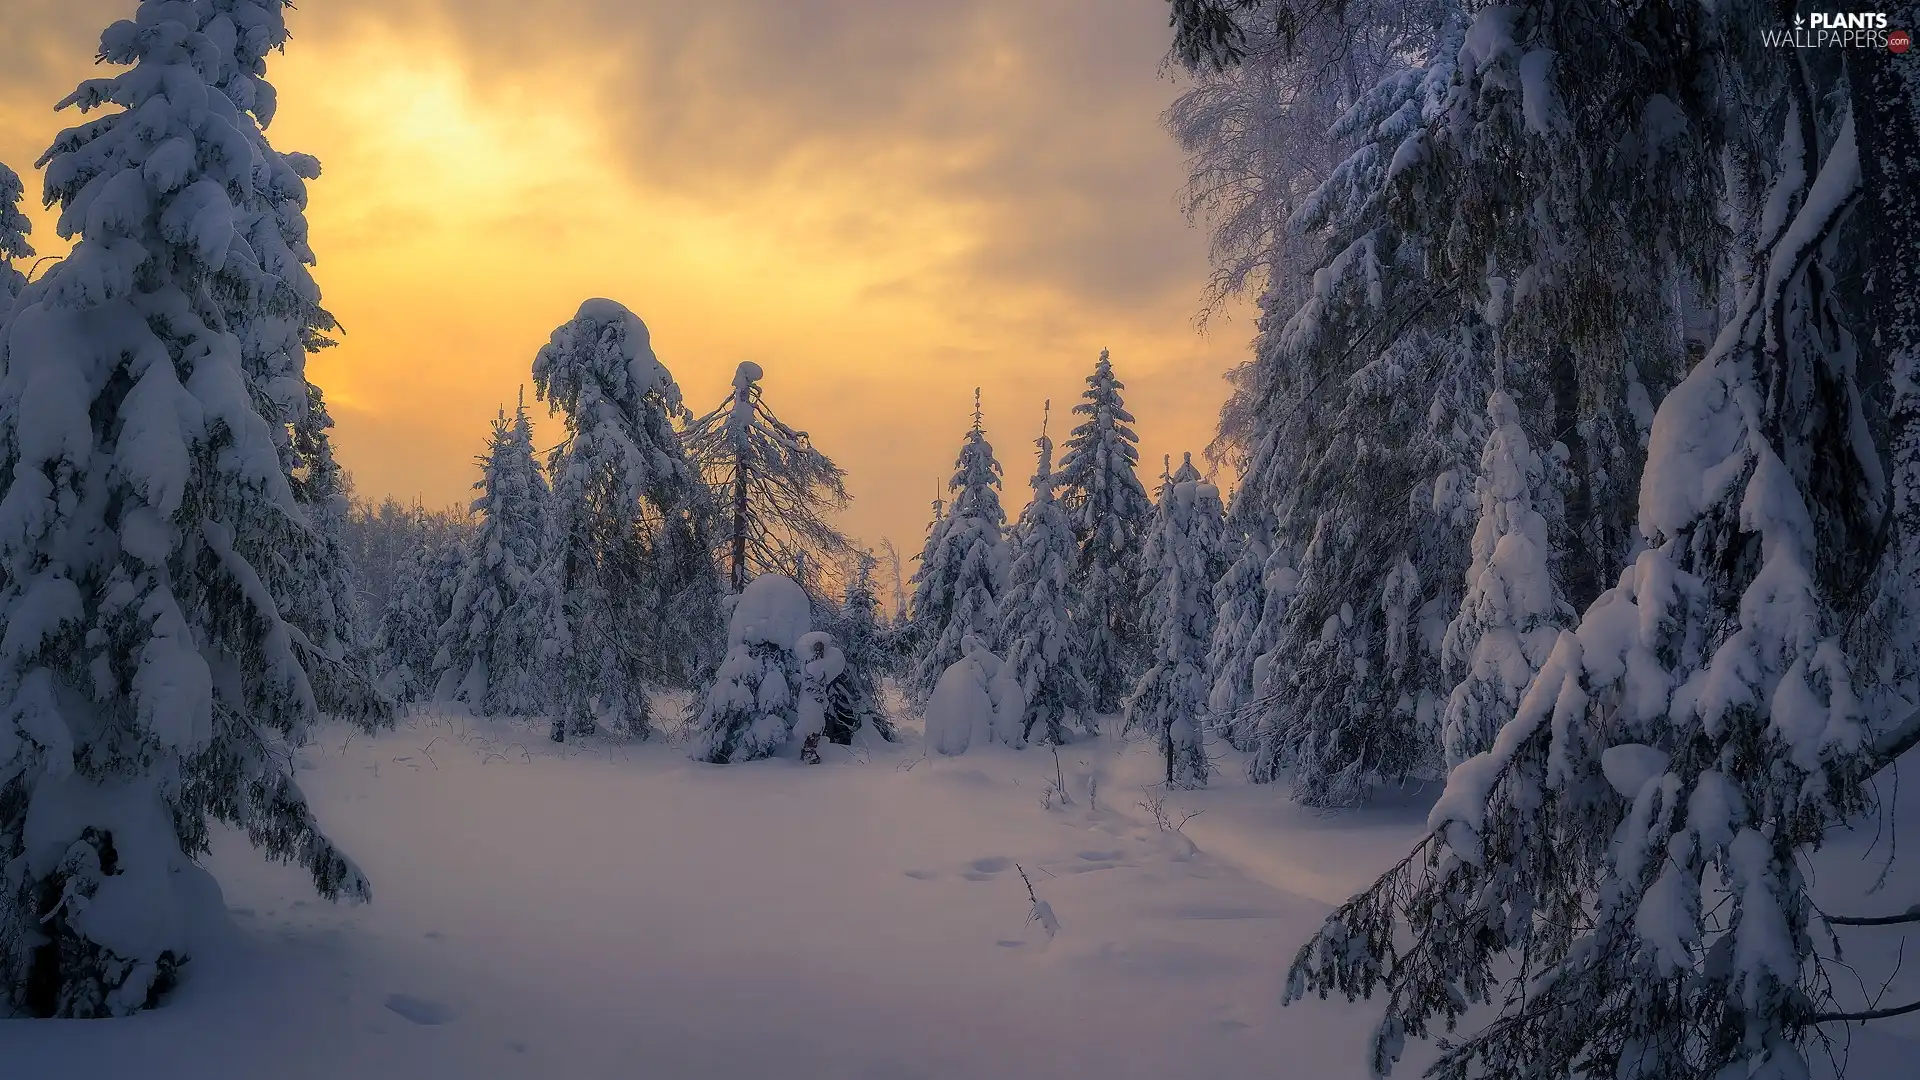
(976, 701)
(772, 610)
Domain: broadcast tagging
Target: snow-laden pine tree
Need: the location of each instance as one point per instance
(773, 487)
(1109, 510)
(1243, 629)
(1617, 886)
(1513, 611)
(151, 682)
(962, 576)
(406, 640)
(860, 635)
(279, 324)
(634, 591)
(14, 228)
(754, 708)
(1359, 412)
(1187, 552)
(1037, 631)
(910, 630)
(487, 645)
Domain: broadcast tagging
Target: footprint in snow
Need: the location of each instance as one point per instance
(1102, 856)
(920, 875)
(985, 869)
(422, 1011)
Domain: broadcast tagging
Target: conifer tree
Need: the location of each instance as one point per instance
(1037, 626)
(756, 704)
(1109, 510)
(485, 651)
(1187, 552)
(1616, 886)
(1243, 633)
(859, 633)
(633, 589)
(911, 631)
(14, 228)
(962, 576)
(151, 681)
(774, 487)
(1511, 616)
(407, 639)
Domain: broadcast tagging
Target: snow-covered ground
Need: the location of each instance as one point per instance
(619, 911)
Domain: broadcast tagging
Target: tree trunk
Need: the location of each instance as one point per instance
(739, 526)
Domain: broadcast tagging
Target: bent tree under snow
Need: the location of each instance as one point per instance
(152, 680)
(632, 590)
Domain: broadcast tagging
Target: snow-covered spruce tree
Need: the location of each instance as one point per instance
(1109, 510)
(151, 684)
(1187, 552)
(860, 635)
(635, 597)
(1036, 622)
(1248, 605)
(383, 542)
(1620, 875)
(486, 647)
(773, 487)
(1513, 611)
(406, 639)
(963, 574)
(910, 630)
(1149, 596)
(14, 228)
(1362, 409)
(754, 708)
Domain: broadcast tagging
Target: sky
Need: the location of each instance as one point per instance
(885, 203)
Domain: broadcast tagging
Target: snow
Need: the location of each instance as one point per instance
(573, 911)
(772, 610)
(1629, 766)
(977, 701)
(1538, 101)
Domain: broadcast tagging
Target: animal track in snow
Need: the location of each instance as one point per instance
(985, 869)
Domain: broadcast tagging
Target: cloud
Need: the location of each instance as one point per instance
(1032, 123)
(888, 202)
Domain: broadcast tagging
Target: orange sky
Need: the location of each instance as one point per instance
(883, 202)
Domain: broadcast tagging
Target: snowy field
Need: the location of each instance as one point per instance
(619, 911)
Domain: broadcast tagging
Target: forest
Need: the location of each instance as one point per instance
(1571, 479)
